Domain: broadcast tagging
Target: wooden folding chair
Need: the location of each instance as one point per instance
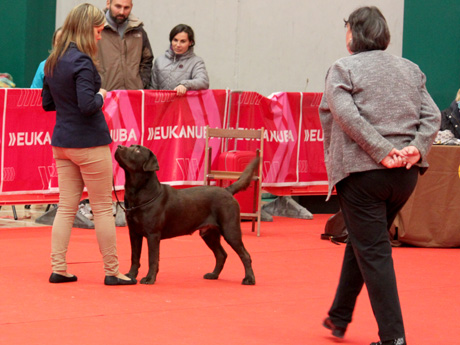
(221, 175)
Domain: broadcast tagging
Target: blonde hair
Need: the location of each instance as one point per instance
(79, 29)
(458, 96)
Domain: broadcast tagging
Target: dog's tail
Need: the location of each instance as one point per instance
(245, 178)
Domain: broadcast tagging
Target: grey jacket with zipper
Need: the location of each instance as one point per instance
(171, 70)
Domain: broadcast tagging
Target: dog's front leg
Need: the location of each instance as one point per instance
(153, 242)
(136, 249)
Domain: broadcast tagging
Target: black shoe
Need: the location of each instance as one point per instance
(59, 278)
(112, 280)
(338, 332)
(399, 341)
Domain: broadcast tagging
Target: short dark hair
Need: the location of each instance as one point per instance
(369, 30)
(183, 28)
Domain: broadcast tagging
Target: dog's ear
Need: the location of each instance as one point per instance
(151, 164)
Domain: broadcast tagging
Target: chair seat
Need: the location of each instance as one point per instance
(226, 175)
(249, 215)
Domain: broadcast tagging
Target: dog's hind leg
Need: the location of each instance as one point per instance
(236, 242)
(136, 249)
(212, 239)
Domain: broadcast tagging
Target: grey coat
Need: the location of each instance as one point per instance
(374, 102)
(171, 70)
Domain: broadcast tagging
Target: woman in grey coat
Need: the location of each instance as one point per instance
(180, 69)
(379, 123)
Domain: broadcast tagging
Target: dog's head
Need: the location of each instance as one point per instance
(136, 158)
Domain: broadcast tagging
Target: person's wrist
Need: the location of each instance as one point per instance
(100, 93)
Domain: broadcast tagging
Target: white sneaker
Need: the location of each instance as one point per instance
(27, 214)
(85, 210)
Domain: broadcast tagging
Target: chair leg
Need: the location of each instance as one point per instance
(14, 212)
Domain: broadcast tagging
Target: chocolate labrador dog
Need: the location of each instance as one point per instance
(157, 211)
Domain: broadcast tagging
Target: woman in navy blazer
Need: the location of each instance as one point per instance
(80, 140)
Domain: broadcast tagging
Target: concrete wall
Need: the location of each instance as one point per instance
(259, 45)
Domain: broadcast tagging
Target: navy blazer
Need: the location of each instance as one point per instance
(72, 92)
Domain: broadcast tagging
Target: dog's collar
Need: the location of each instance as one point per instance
(129, 209)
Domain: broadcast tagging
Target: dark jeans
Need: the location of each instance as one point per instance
(369, 202)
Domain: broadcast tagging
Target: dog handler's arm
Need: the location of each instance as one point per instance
(47, 99)
(89, 101)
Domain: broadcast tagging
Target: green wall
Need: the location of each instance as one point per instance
(432, 40)
(25, 41)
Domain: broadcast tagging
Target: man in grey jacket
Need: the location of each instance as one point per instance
(124, 44)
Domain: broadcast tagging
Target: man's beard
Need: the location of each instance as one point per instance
(119, 19)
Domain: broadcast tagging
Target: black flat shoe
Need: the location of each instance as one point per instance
(112, 280)
(399, 341)
(338, 332)
(59, 278)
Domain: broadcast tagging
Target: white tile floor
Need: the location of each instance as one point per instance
(26, 218)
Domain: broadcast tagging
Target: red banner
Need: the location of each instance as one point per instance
(279, 115)
(27, 160)
(175, 131)
(311, 155)
(124, 115)
(293, 145)
(173, 128)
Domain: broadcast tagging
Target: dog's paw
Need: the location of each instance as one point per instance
(212, 276)
(131, 275)
(147, 281)
(249, 281)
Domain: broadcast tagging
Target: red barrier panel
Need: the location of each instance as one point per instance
(173, 128)
(293, 146)
(27, 162)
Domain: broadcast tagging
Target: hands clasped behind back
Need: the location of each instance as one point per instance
(408, 156)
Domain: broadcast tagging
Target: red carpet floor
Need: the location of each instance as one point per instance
(296, 276)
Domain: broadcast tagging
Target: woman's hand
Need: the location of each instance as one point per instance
(181, 90)
(103, 92)
(394, 160)
(411, 155)
(407, 157)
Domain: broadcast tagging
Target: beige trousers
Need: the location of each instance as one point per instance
(77, 168)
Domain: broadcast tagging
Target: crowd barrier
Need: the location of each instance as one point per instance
(173, 128)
